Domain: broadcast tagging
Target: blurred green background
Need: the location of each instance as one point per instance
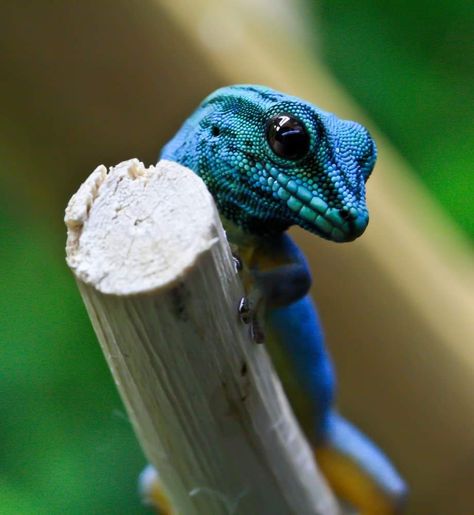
(65, 442)
(410, 65)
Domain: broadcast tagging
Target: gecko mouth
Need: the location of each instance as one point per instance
(314, 214)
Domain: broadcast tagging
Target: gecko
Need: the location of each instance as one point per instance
(270, 161)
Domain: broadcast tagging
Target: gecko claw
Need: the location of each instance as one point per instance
(244, 310)
(256, 331)
(237, 263)
(248, 316)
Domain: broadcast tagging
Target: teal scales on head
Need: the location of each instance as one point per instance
(271, 161)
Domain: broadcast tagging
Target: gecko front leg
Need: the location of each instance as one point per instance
(274, 273)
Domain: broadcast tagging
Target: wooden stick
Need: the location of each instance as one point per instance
(155, 271)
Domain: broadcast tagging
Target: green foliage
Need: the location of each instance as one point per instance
(67, 446)
(410, 65)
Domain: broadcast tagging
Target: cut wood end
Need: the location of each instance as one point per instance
(117, 221)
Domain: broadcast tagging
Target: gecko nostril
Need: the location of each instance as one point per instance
(345, 214)
(348, 214)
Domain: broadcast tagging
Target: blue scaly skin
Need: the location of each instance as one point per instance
(271, 161)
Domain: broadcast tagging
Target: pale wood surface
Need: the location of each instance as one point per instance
(156, 274)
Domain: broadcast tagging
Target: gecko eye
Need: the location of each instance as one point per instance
(287, 137)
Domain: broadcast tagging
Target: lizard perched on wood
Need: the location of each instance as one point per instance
(271, 161)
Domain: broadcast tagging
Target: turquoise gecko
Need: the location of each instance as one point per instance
(271, 161)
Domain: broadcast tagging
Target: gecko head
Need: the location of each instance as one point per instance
(272, 160)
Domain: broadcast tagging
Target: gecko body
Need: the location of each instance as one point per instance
(271, 161)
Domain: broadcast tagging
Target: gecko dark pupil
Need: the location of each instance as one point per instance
(287, 137)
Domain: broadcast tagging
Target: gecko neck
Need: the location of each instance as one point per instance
(244, 242)
(237, 236)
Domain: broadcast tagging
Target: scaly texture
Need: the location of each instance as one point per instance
(320, 187)
(271, 161)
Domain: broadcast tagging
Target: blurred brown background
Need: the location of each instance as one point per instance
(84, 83)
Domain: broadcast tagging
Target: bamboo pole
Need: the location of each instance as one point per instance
(156, 274)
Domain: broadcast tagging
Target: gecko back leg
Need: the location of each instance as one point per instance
(358, 471)
(152, 492)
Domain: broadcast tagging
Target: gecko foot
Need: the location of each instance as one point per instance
(249, 317)
(237, 263)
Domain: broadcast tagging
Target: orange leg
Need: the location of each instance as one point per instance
(152, 492)
(358, 472)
